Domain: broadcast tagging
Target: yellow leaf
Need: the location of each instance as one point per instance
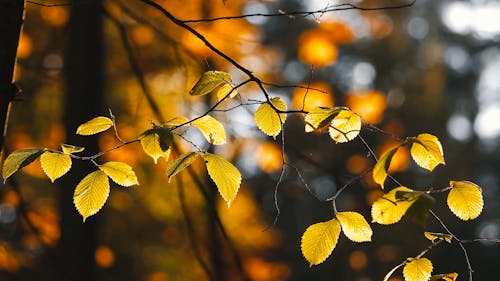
(120, 172)
(319, 240)
(176, 121)
(465, 200)
(225, 89)
(91, 193)
(156, 142)
(426, 150)
(387, 209)
(417, 269)
(209, 81)
(355, 226)
(19, 159)
(68, 148)
(268, 120)
(319, 117)
(181, 163)
(55, 164)
(94, 126)
(446, 277)
(345, 126)
(212, 130)
(382, 166)
(433, 236)
(225, 175)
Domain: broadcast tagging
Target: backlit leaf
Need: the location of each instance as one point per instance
(176, 121)
(421, 204)
(156, 142)
(268, 120)
(355, 226)
(209, 81)
(446, 277)
(225, 175)
(319, 117)
(55, 164)
(345, 126)
(19, 159)
(382, 167)
(465, 200)
(94, 126)
(427, 151)
(433, 236)
(181, 163)
(91, 193)
(120, 172)
(417, 269)
(319, 240)
(387, 209)
(68, 148)
(225, 89)
(212, 130)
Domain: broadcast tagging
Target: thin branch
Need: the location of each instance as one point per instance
(48, 5)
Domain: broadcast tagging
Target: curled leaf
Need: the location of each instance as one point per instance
(69, 149)
(19, 159)
(319, 240)
(465, 200)
(446, 277)
(355, 227)
(433, 236)
(427, 151)
(268, 120)
(55, 164)
(345, 126)
(94, 126)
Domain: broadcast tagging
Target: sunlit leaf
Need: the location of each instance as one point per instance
(212, 130)
(354, 226)
(387, 209)
(225, 89)
(91, 193)
(319, 240)
(421, 204)
(68, 148)
(268, 120)
(94, 126)
(465, 200)
(19, 159)
(209, 81)
(319, 117)
(417, 269)
(225, 175)
(382, 167)
(427, 151)
(433, 236)
(176, 121)
(55, 164)
(120, 172)
(156, 142)
(345, 126)
(446, 277)
(181, 163)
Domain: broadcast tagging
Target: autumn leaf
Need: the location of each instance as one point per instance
(319, 240)
(345, 126)
(19, 159)
(433, 236)
(465, 200)
(319, 117)
(382, 167)
(69, 149)
(355, 226)
(226, 176)
(268, 120)
(91, 193)
(417, 269)
(446, 277)
(224, 90)
(120, 172)
(387, 209)
(176, 121)
(181, 163)
(212, 130)
(55, 164)
(209, 81)
(94, 126)
(156, 142)
(427, 151)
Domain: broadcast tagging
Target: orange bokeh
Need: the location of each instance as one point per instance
(358, 260)
(369, 104)
(356, 164)
(340, 32)
(25, 46)
(316, 94)
(269, 157)
(56, 16)
(400, 160)
(317, 48)
(142, 35)
(104, 257)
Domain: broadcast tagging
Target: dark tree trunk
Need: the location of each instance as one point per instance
(84, 100)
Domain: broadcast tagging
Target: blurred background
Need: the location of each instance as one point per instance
(433, 67)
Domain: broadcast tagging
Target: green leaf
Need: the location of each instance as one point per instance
(465, 200)
(156, 142)
(319, 240)
(69, 149)
(120, 172)
(319, 117)
(212, 130)
(19, 159)
(345, 126)
(433, 236)
(91, 194)
(94, 126)
(181, 163)
(55, 164)
(355, 226)
(427, 151)
(226, 176)
(209, 81)
(421, 204)
(268, 120)
(382, 167)
(387, 209)
(417, 269)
